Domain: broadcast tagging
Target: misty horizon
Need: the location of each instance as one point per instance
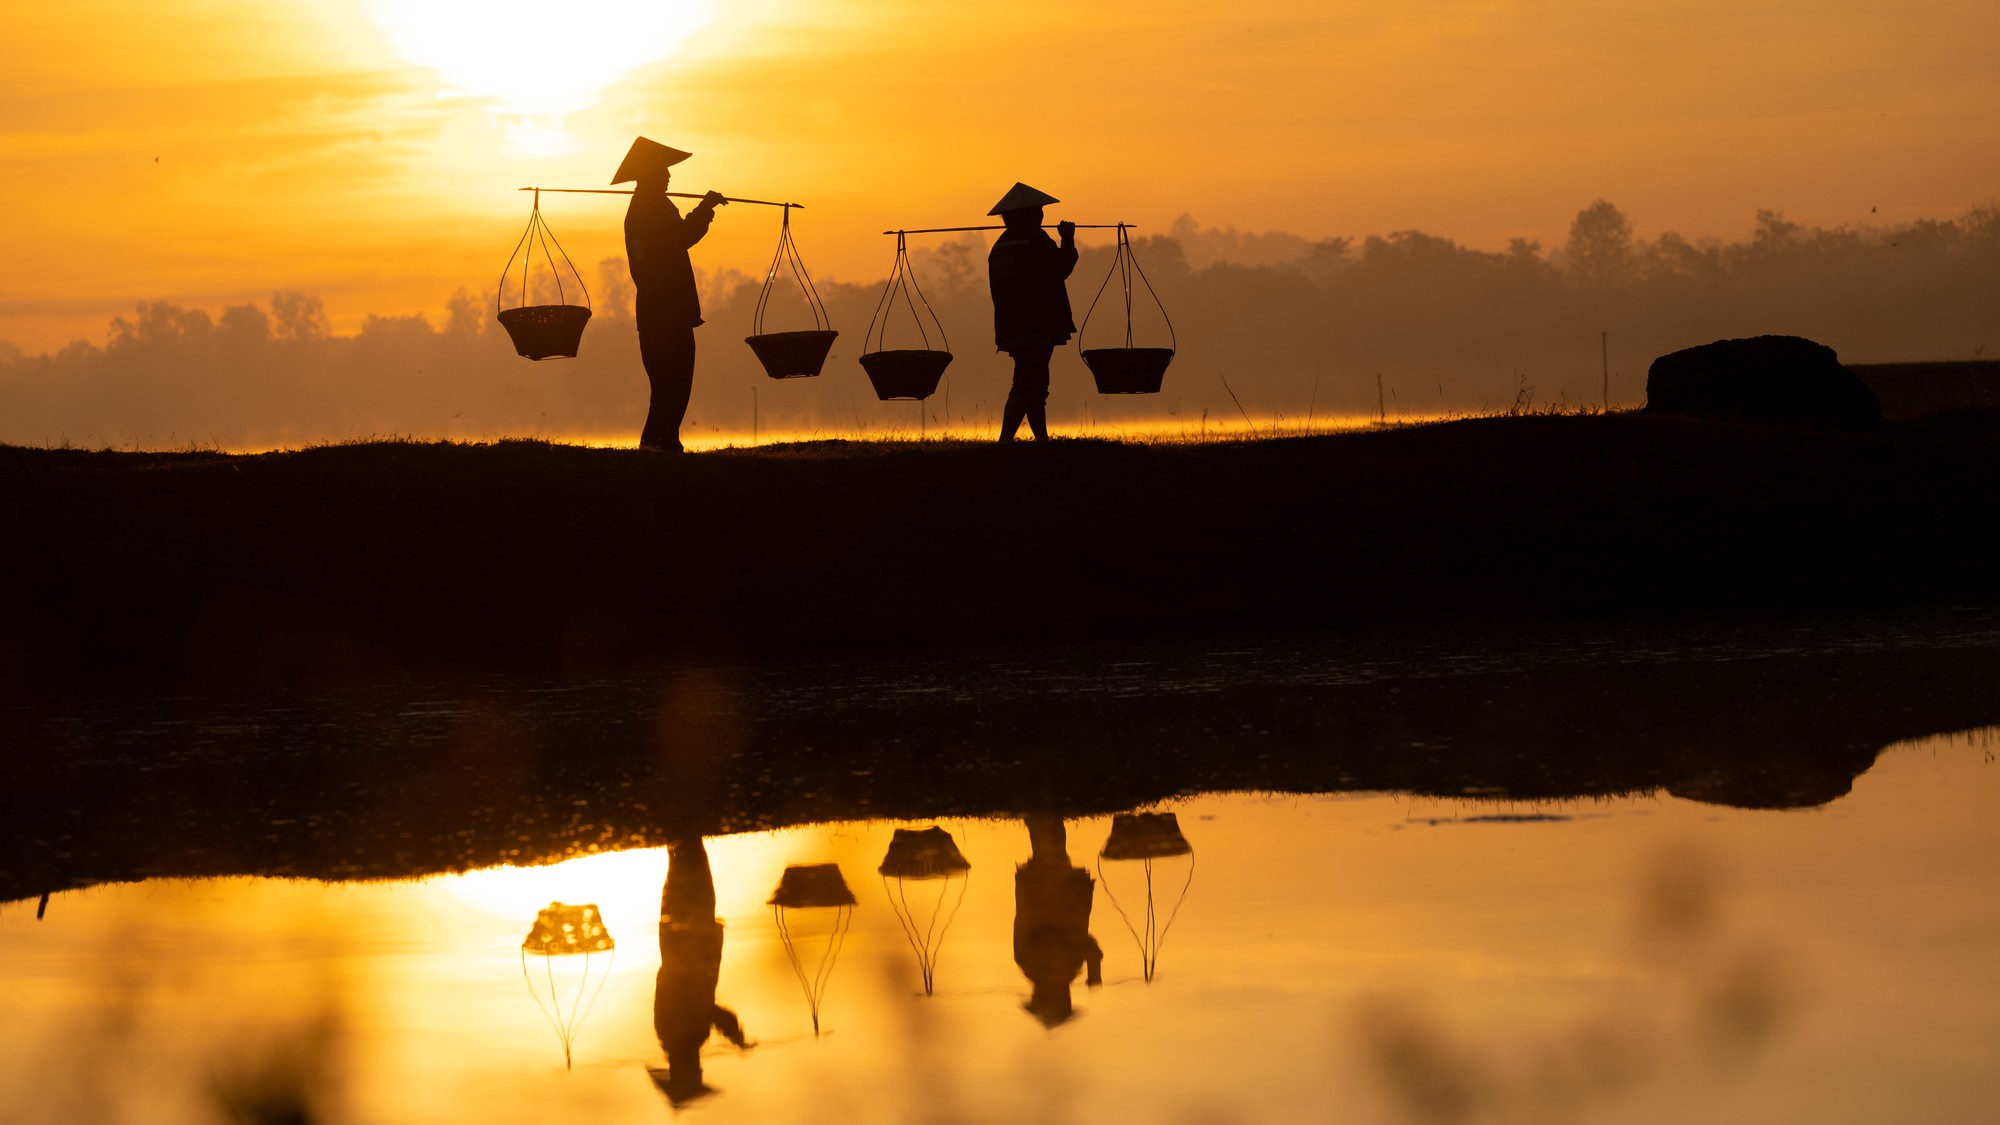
(1297, 327)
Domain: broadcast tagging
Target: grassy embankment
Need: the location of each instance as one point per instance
(335, 563)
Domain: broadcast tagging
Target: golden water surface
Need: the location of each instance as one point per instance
(1372, 958)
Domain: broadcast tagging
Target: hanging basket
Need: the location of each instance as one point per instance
(546, 331)
(791, 355)
(903, 373)
(1128, 370)
(910, 373)
(543, 331)
(1145, 836)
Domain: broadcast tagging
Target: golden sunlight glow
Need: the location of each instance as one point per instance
(537, 59)
(510, 892)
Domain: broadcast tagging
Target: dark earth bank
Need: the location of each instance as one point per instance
(338, 565)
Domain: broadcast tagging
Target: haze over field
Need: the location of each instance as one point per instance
(1301, 336)
(364, 153)
(1299, 339)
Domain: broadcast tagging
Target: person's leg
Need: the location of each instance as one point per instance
(689, 896)
(1034, 390)
(1010, 417)
(1028, 397)
(668, 354)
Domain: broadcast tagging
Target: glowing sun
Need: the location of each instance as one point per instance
(536, 58)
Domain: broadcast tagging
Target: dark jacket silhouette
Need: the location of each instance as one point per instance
(1026, 270)
(657, 238)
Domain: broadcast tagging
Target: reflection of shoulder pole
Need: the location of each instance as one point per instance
(1045, 226)
(675, 194)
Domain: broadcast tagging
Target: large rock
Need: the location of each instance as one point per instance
(1770, 380)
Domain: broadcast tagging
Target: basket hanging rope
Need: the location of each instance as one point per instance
(1127, 370)
(907, 373)
(791, 355)
(542, 331)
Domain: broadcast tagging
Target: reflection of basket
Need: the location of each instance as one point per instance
(905, 372)
(817, 884)
(546, 331)
(1145, 836)
(561, 929)
(792, 355)
(1128, 371)
(927, 854)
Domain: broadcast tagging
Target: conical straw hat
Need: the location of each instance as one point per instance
(1020, 197)
(647, 156)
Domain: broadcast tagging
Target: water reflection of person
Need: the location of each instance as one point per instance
(1052, 922)
(684, 1007)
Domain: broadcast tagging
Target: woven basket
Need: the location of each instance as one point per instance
(792, 355)
(905, 372)
(546, 331)
(1128, 371)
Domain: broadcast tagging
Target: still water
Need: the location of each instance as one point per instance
(1360, 957)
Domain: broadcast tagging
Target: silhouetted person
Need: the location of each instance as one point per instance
(1052, 922)
(657, 238)
(684, 1007)
(1031, 317)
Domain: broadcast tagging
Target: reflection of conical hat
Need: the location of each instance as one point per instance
(646, 157)
(561, 929)
(1145, 836)
(927, 854)
(679, 1088)
(1020, 197)
(1051, 1009)
(817, 884)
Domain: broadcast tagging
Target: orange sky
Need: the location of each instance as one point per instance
(365, 150)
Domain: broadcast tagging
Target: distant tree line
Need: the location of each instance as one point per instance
(1293, 326)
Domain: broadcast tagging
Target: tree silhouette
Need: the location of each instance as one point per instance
(1599, 250)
